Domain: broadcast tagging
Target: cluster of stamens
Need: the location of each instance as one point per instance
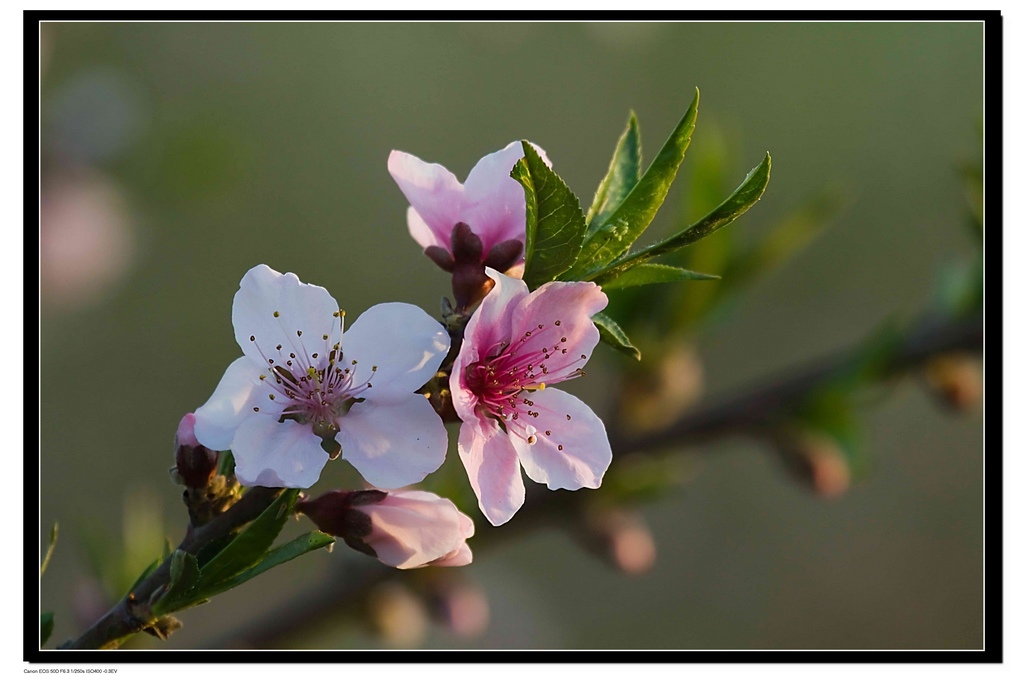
(504, 380)
(317, 387)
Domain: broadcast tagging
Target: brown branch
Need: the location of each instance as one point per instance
(131, 615)
(746, 412)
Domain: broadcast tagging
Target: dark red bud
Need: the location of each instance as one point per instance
(466, 245)
(196, 463)
(441, 258)
(334, 512)
(470, 284)
(504, 255)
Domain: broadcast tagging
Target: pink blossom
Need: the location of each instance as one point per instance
(516, 344)
(465, 227)
(302, 393)
(404, 529)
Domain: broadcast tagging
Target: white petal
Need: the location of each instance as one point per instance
(393, 444)
(273, 308)
(230, 404)
(585, 453)
(404, 343)
(277, 454)
(493, 469)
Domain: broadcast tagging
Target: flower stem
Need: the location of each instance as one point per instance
(131, 615)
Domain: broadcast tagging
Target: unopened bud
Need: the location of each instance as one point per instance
(397, 614)
(956, 378)
(195, 463)
(816, 460)
(404, 529)
(623, 539)
(461, 607)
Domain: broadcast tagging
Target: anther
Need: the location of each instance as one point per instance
(279, 346)
(277, 313)
(559, 447)
(299, 332)
(252, 338)
(531, 440)
(255, 409)
(558, 323)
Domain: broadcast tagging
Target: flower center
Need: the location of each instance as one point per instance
(315, 387)
(504, 380)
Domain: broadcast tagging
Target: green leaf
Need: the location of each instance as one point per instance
(738, 203)
(180, 590)
(226, 464)
(612, 334)
(279, 555)
(49, 548)
(554, 221)
(622, 176)
(251, 544)
(145, 573)
(650, 273)
(631, 217)
(45, 627)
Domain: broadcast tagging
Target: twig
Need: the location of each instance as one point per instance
(746, 412)
(130, 615)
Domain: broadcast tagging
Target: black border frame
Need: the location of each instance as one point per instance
(993, 354)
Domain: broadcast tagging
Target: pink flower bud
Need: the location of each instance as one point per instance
(196, 463)
(404, 529)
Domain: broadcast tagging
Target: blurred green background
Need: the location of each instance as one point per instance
(177, 156)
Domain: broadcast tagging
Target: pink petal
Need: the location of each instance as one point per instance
(393, 444)
(299, 307)
(489, 325)
(564, 309)
(463, 556)
(433, 191)
(277, 454)
(493, 469)
(413, 528)
(422, 233)
(494, 205)
(584, 455)
(405, 345)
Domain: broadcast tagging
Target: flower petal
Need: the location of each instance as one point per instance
(277, 454)
(230, 404)
(422, 233)
(564, 309)
(494, 205)
(393, 444)
(576, 454)
(489, 325)
(413, 528)
(405, 345)
(462, 556)
(493, 469)
(432, 190)
(272, 309)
